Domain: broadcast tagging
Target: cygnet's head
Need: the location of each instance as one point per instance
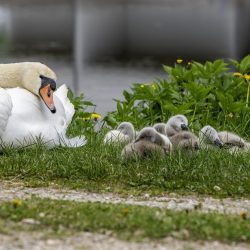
(210, 136)
(160, 127)
(150, 134)
(40, 80)
(127, 128)
(176, 124)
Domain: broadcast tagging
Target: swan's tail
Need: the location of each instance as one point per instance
(74, 142)
(62, 94)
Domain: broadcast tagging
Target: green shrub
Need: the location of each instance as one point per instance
(84, 121)
(208, 93)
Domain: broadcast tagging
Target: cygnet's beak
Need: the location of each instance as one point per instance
(218, 143)
(46, 94)
(184, 126)
(196, 146)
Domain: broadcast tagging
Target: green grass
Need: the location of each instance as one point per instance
(96, 167)
(127, 222)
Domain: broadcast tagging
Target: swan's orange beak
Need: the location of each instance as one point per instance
(46, 94)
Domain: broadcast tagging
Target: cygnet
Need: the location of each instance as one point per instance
(176, 124)
(208, 137)
(185, 140)
(124, 133)
(148, 142)
(161, 129)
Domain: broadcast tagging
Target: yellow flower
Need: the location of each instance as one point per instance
(189, 63)
(93, 116)
(16, 203)
(230, 115)
(179, 60)
(247, 77)
(125, 211)
(243, 215)
(96, 116)
(154, 86)
(142, 85)
(238, 74)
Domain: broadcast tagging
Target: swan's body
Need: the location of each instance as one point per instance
(185, 140)
(124, 133)
(147, 142)
(24, 118)
(142, 149)
(161, 129)
(209, 136)
(232, 139)
(176, 124)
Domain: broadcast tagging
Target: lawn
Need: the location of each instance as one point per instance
(99, 167)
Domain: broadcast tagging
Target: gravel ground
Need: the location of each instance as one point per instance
(11, 191)
(37, 241)
(107, 241)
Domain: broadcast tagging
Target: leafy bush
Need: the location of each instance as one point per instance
(84, 121)
(208, 93)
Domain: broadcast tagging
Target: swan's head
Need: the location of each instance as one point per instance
(176, 124)
(160, 127)
(127, 128)
(209, 135)
(150, 134)
(41, 81)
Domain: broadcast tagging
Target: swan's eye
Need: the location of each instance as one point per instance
(49, 93)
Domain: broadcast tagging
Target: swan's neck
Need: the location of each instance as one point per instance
(11, 75)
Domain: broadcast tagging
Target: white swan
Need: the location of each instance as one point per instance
(32, 76)
(124, 133)
(24, 118)
(147, 142)
(176, 124)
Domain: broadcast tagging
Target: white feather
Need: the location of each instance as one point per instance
(31, 119)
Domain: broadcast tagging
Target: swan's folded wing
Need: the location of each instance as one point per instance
(74, 142)
(62, 94)
(5, 109)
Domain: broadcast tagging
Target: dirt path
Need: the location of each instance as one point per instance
(204, 204)
(90, 241)
(94, 241)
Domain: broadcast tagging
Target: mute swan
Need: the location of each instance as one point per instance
(231, 139)
(32, 76)
(209, 136)
(176, 124)
(124, 133)
(185, 140)
(235, 143)
(147, 142)
(24, 117)
(161, 129)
